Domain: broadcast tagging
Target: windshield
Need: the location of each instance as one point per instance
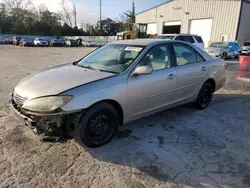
(218, 45)
(114, 58)
(168, 37)
(246, 44)
(72, 40)
(41, 39)
(27, 39)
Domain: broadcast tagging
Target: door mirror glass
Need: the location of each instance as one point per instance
(143, 70)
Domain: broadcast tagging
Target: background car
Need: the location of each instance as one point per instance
(41, 42)
(193, 39)
(62, 41)
(88, 43)
(71, 42)
(26, 42)
(55, 42)
(177, 73)
(224, 49)
(8, 40)
(16, 41)
(2, 40)
(245, 49)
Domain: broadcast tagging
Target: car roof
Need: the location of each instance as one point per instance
(139, 42)
(179, 35)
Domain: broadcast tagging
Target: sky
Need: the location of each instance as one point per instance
(88, 11)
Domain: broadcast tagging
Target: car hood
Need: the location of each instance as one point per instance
(214, 49)
(55, 80)
(246, 47)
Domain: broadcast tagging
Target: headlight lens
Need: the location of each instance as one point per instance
(46, 104)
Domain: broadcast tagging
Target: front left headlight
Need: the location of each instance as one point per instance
(46, 104)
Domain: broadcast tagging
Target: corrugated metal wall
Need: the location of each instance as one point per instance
(244, 29)
(225, 15)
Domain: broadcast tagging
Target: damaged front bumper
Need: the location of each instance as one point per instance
(50, 127)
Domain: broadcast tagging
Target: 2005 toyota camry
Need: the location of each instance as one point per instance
(117, 83)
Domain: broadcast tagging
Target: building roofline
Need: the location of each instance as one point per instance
(168, 1)
(246, 1)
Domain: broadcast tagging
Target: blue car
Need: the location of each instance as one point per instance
(71, 42)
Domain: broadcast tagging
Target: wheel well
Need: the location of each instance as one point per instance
(117, 106)
(212, 82)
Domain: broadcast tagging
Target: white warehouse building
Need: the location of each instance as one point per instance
(213, 20)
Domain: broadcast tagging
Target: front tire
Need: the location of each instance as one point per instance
(224, 56)
(98, 125)
(205, 96)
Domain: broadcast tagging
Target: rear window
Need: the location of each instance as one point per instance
(198, 39)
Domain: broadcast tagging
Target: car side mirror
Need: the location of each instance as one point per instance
(143, 70)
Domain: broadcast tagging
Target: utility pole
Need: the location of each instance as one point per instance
(101, 15)
(74, 14)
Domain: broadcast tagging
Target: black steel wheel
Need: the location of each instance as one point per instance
(224, 56)
(205, 96)
(98, 125)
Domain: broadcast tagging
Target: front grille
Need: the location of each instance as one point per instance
(19, 100)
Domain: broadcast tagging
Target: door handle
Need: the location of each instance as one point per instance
(203, 68)
(171, 76)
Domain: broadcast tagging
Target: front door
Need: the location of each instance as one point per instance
(147, 93)
(191, 71)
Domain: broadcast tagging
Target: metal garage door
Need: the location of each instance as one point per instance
(152, 29)
(202, 27)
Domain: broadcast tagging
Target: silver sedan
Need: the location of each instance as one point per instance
(117, 83)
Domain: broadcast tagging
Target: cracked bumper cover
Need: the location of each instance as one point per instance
(55, 124)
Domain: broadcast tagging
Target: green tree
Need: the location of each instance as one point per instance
(130, 17)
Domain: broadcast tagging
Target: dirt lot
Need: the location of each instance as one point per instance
(182, 147)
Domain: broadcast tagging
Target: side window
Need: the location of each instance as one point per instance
(184, 54)
(180, 38)
(186, 39)
(189, 39)
(199, 58)
(198, 39)
(158, 58)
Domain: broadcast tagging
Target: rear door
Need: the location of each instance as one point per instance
(191, 71)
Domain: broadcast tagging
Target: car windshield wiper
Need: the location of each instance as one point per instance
(102, 70)
(87, 67)
(96, 69)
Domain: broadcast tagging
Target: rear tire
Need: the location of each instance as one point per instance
(98, 125)
(205, 96)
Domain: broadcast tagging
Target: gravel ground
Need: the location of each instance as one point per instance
(182, 147)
